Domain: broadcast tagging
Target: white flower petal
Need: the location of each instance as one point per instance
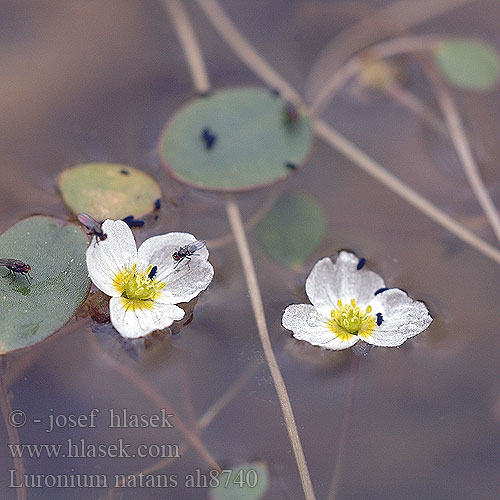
(403, 318)
(108, 257)
(184, 280)
(309, 325)
(330, 281)
(134, 323)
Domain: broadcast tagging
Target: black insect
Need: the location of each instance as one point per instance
(124, 172)
(208, 138)
(158, 204)
(380, 319)
(275, 92)
(132, 222)
(361, 263)
(94, 227)
(16, 266)
(153, 272)
(187, 251)
(291, 166)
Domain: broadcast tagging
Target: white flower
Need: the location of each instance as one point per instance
(141, 300)
(350, 303)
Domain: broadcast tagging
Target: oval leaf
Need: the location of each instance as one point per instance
(60, 282)
(468, 64)
(108, 190)
(248, 482)
(292, 230)
(235, 140)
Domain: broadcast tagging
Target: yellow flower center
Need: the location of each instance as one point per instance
(137, 287)
(350, 319)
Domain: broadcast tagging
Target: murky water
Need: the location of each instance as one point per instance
(87, 81)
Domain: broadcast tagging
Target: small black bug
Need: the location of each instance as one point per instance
(153, 272)
(132, 222)
(208, 138)
(361, 263)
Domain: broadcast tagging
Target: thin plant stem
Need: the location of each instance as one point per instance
(13, 436)
(254, 61)
(190, 45)
(346, 420)
(369, 165)
(234, 389)
(228, 31)
(187, 396)
(388, 21)
(410, 101)
(464, 152)
(240, 237)
(205, 420)
(252, 221)
(158, 399)
(389, 48)
(236, 224)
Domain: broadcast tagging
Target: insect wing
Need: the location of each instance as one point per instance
(89, 222)
(8, 262)
(195, 246)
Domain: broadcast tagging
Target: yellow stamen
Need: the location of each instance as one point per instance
(137, 289)
(350, 319)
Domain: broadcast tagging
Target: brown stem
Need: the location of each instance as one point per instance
(151, 393)
(234, 216)
(13, 435)
(337, 468)
(206, 419)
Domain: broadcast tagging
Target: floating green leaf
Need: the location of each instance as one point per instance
(247, 482)
(468, 64)
(108, 190)
(56, 253)
(235, 140)
(292, 230)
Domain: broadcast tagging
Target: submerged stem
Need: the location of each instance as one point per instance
(158, 399)
(189, 42)
(13, 435)
(337, 467)
(464, 152)
(228, 31)
(369, 165)
(236, 224)
(204, 421)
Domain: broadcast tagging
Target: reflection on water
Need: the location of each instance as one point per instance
(96, 81)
